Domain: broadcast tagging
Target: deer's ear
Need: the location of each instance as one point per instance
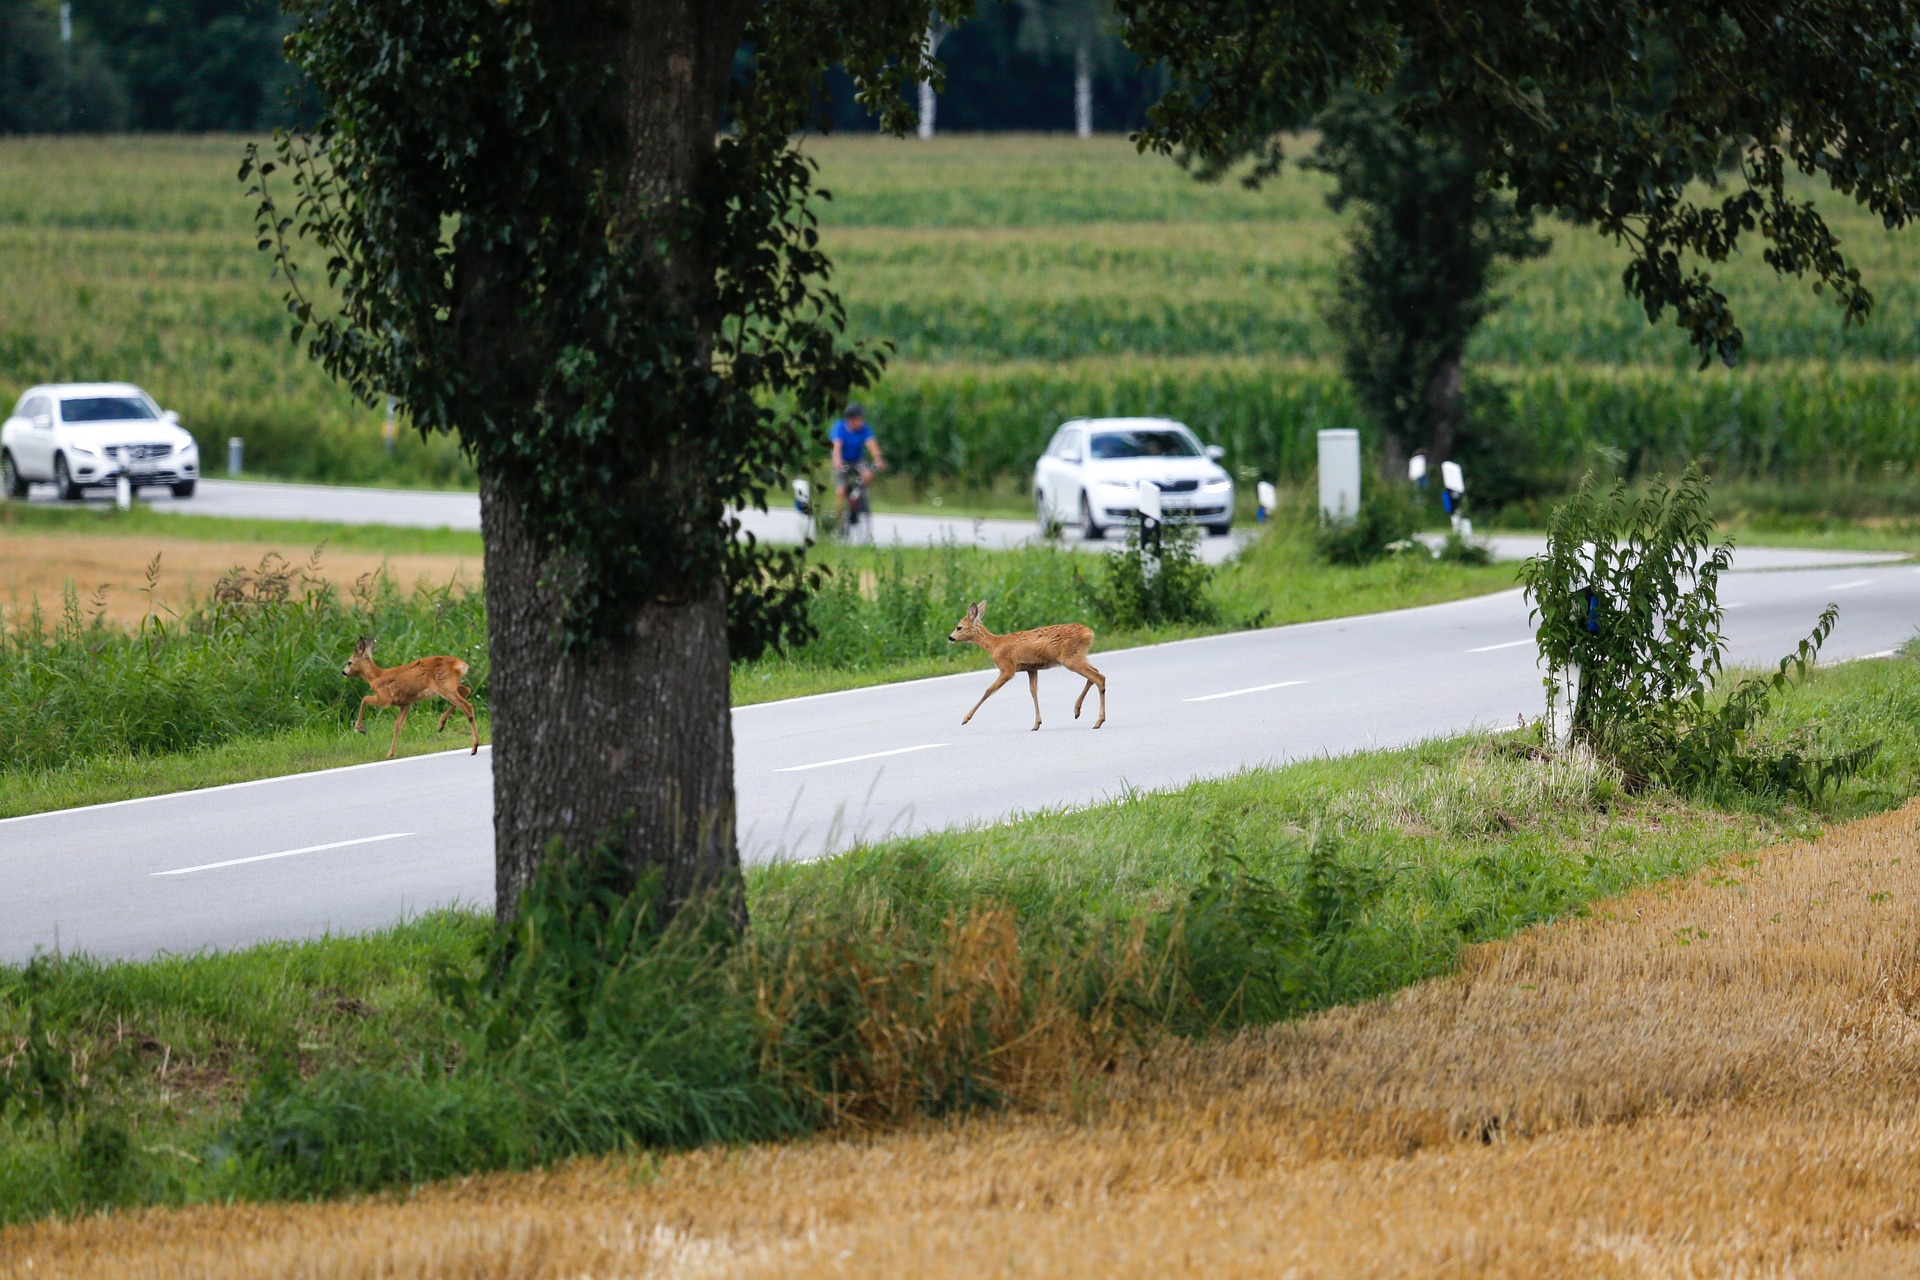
(977, 610)
(363, 645)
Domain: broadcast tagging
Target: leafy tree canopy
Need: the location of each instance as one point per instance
(1606, 110)
(1427, 236)
(666, 357)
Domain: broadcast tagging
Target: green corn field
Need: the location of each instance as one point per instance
(1020, 280)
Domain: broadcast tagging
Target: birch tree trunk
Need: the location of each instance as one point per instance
(1083, 90)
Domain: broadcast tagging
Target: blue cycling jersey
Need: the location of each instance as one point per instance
(853, 441)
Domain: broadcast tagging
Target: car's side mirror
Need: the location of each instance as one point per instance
(169, 415)
(43, 421)
(1215, 452)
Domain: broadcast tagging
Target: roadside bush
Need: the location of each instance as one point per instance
(587, 1025)
(1156, 582)
(1389, 513)
(1626, 596)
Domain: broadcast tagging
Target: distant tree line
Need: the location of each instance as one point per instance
(197, 66)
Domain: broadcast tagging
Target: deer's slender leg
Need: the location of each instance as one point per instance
(1082, 667)
(360, 721)
(472, 723)
(398, 721)
(991, 690)
(1033, 686)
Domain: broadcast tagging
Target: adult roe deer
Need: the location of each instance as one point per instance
(1033, 652)
(402, 686)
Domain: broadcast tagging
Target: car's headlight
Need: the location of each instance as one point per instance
(1115, 488)
(1218, 484)
(189, 447)
(83, 450)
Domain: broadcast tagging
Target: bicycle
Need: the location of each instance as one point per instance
(856, 519)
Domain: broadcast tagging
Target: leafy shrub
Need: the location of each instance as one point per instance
(1156, 582)
(586, 1025)
(1459, 550)
(1630, 625)
(1389, 513)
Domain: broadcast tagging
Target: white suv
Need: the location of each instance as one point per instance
(76, 435)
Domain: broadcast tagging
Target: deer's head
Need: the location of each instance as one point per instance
(970, 628)
(361, 663)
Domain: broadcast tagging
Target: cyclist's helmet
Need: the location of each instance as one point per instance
(854, 411)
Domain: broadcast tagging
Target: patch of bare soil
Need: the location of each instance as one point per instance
(109, 573)
(1716, 1077)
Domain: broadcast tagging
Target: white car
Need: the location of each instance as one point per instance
(78, 435)
(1091, 473)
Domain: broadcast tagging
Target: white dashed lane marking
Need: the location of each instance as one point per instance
(871, 755)
(1235, 693)
(285, 853)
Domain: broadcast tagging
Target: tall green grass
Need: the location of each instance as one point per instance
(261, 657)
(1022, 281)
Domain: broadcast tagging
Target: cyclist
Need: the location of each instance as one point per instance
(852, 440)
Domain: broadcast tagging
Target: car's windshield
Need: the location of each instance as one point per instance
(1144, 444)
(105, 409)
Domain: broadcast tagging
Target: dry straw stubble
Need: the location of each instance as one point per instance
(1713, 1077)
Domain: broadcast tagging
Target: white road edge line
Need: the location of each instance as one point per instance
(1863, 657)
(486, 747)
(1511, 644)
(871, 755)
(1234, 693)
(286, 853)
(1848, 586)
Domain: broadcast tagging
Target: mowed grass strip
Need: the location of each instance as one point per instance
(1708, 1077)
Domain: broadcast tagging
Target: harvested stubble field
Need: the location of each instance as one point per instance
(1707, 1077)
(109, 572)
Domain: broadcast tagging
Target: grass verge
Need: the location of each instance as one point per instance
(1709, 1077)
(1007, 966)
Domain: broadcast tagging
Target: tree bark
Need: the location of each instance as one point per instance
(1443, 411)
(929, 103)
(1083, 90)
(636, 734)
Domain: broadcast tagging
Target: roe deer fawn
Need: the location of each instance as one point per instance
(403, 686)
(1033, 652)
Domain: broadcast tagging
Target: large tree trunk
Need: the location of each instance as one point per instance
(636, 734)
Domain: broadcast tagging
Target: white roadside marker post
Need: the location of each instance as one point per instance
(1339, 475)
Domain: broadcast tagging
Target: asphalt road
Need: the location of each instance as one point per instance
(428, 509)
(352, 849)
